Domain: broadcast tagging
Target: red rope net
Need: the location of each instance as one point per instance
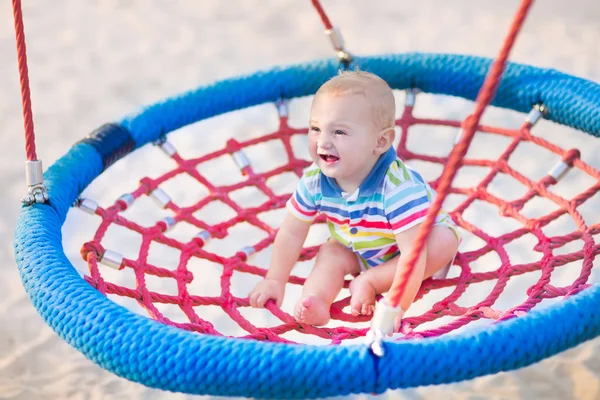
(449, 311)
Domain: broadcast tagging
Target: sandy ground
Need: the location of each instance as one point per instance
(93, 62)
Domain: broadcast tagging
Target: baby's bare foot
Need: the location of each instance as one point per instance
(363, 297)
(312, 311)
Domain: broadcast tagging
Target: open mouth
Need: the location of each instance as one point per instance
(328, 158)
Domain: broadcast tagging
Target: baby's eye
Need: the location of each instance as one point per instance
(314, 129)
(339, 132)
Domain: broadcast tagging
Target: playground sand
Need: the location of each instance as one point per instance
(93, 62)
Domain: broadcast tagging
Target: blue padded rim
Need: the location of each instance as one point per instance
(157, 355)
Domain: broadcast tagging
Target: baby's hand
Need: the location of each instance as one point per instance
(267, 289)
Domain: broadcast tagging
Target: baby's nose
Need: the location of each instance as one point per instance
(324, 143)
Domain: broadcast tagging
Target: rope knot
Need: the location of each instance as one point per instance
(148, 184)
(219, 231)
(90, 248)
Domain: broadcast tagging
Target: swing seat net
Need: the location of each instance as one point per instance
(232, 191)
(202, 231)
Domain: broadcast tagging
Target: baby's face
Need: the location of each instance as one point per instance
(342, 137)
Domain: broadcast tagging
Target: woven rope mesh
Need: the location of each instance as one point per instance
(528, 240)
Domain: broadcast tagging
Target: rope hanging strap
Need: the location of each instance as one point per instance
(33, 167)
(385, 324)
(334, 35)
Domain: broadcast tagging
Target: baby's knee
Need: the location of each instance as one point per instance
(339, 256)
(444, 237)
(333, 247)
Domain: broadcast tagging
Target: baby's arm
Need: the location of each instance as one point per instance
(286, 250)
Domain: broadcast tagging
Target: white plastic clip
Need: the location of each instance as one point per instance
(112, 259)
(240, 159)
(411, 96)
(203, 235)
(167, 148)
(563, 166)
(374, 339)
(559, 170)
(536, 114)
(248, 251)
(160, 197)
(127, 198)
(282, 108)
(169, 223)
(382, 324)
(87, 205)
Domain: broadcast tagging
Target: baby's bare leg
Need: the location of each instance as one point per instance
(325, 281)
(441, 249)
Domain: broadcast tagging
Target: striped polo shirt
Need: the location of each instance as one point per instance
(392, 199)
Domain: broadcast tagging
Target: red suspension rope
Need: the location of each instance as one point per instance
(322, 14)
(484, 97)
(24, 80)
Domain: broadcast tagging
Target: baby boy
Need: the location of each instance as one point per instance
(374, 204)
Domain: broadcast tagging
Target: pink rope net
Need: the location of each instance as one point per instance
(449, 311)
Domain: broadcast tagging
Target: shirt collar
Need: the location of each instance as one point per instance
(330, 188)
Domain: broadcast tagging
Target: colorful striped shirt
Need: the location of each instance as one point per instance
(392, 199)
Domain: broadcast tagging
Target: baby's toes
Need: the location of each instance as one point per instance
(299, 311)
(365, 309)
(397, 324)
(370, 309)
(355, 307)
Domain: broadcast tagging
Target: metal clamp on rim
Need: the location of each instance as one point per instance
(37, 192)
(338, 44)
(382, 324)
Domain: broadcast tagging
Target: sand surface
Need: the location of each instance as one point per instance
(93, 62)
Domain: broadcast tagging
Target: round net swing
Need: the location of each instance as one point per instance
(190, 353)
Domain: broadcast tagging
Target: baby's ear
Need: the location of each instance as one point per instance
(385, 140)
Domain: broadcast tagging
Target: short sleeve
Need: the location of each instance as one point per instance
(406, 205)
(302, 203)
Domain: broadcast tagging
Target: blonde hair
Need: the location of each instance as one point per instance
(376, 91)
